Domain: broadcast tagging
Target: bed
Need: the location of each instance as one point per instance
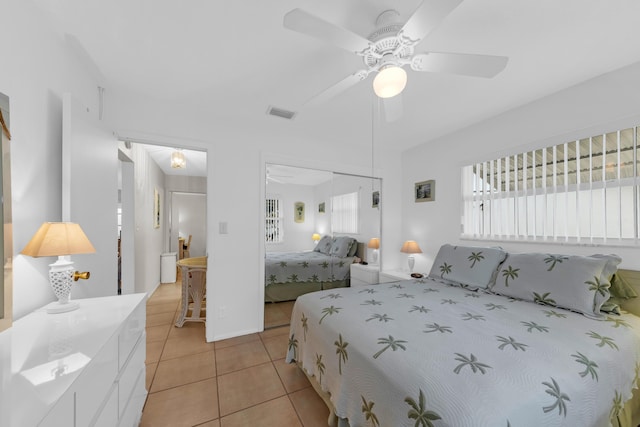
(291, 274)
(471, 349)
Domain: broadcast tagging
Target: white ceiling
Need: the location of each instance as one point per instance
(232, 59)
(282, 174)
(196, 160)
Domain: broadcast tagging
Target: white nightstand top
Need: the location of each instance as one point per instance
(368, 267)
(395, 274)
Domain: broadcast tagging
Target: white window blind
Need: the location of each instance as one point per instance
(583, 191)
(274, 221)
(344, 213)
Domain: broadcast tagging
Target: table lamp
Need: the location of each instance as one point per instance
(374, 244)
(315, 238)
(411, 247)
(60, 239)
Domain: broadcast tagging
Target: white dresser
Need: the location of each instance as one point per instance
(77, 369)
(363, 275)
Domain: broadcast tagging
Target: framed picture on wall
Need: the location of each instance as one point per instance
(375, 199)
(156, 208)
(298, 212)
(425, 191)
(321, 208)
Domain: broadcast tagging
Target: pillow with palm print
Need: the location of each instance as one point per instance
(578, 283)
(324, 245)
(466, 266)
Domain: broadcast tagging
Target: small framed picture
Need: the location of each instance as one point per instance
(375, 199)
(321, 208)
(298, 212)
(425, 191)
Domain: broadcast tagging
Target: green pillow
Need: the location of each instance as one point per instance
(620, 288)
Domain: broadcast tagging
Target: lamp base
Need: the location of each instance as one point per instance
(57, 307)
(411, 261)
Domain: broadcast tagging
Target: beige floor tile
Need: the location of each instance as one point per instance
(248, 387)
(237, 340)
(160, 319)
(183, 406)
(154, 350)
(281, 330)
(157, 333)
(170, 307)
(184, 370)
(183, 346)
(241, 356)
(274, 413)
(214, 423)
(150, 372)
(310, 407)
(291, 376)
(277, 346)
(192, 329)
(274, 316)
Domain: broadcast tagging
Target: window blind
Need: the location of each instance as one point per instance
(344, 213)
(274, 221)
(582, 191)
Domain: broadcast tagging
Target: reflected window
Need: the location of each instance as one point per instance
(274, 221)
(344, 213)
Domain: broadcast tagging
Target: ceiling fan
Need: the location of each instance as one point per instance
(391, 47)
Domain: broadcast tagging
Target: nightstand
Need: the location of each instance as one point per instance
(394, 276)
(363, 275)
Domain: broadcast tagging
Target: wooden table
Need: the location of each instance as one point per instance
(194, 288)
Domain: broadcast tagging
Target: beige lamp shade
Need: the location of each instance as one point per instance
(315, 237)
(411, 247)
(58, 239)
(374, 243)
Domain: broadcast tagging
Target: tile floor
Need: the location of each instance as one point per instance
(242, 381)
(277, 314)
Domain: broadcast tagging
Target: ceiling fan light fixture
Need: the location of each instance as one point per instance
(390, 81)
(177, 160)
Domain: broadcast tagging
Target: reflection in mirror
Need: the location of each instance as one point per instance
(309, 245)
(6, 295)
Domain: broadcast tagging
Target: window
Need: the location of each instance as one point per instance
(583, 191)
(274, 222)
(344, 213)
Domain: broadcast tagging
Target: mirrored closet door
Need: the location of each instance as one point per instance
(317, 223)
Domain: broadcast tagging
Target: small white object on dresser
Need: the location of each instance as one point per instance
(387, 276)
(363, 275)
(77, 369)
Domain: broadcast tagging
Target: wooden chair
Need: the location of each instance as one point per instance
(185, 248)
(194, 289)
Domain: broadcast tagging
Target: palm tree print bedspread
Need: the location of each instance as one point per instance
(420, 353)
(289, 267)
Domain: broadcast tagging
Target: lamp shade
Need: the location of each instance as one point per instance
(177, 160)
(390, 81)
(58, 239)
(374, 243)
(411, 247)
(315, 237)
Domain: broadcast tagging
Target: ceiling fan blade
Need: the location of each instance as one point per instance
(459, 63)
(306, 23)
(337, 88)
(393, 108)
(426, 18)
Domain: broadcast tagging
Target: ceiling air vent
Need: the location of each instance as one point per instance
(280, 112)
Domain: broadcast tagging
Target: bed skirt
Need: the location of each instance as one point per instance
(629, 416)
(279, 292)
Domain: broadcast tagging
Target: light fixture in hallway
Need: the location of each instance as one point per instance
(177, 160)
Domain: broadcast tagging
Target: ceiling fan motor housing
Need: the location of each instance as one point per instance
(386, 45)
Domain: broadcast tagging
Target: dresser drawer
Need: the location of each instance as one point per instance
(130, 334)
(92, 386)
(131, 372)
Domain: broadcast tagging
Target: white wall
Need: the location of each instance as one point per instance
(37, 68)
(297, 235)
(149, 240)
(189, 217)
(606, 103)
